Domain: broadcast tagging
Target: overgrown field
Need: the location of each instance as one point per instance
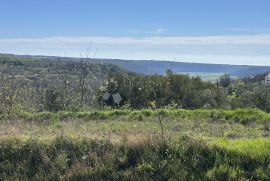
(136, 145)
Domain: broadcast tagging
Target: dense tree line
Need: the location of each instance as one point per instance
(182, 91)
(46, 85)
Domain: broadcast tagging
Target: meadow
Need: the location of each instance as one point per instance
(206, 76)
(162, 144)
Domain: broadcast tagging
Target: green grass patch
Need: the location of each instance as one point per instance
(256, 148)
(243, 116)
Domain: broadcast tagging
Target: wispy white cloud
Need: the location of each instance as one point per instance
(152, 41)
(242, 49)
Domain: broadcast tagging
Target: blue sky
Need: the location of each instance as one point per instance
(212, 31)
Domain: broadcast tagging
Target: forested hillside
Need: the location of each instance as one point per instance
(39, 84)
(152, 67)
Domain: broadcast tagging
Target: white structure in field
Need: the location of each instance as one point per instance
(267, 79)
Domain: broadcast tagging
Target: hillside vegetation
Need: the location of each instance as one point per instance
(152, 67)
(29, 84)
(83, 120)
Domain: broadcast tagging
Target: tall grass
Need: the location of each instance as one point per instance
(66, 158)
(47, 157)
(243, 116)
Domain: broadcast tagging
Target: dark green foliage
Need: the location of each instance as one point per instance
(225, 80)
(178, 90)
(53, 100)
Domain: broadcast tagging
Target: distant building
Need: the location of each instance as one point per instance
(267, 79)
